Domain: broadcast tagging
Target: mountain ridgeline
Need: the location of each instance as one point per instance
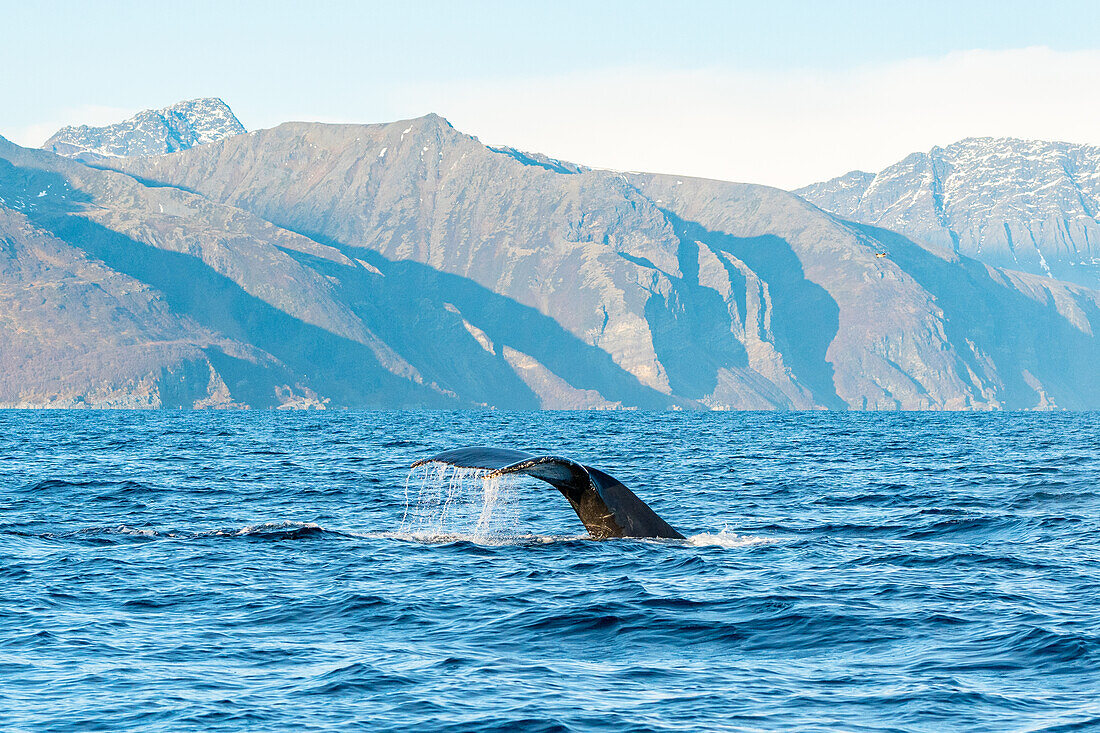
(408, 265)
(178, 127)
(1025, 205)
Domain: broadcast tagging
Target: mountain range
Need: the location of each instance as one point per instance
(409, 265)
(1026, 205)
(178, 127)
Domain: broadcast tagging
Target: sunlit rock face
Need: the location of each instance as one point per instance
(1025, 205)
(152, 132)
(407, 264)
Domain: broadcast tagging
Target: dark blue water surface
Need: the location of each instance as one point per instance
(250, 572)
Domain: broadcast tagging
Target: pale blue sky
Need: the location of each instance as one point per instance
(505, 70)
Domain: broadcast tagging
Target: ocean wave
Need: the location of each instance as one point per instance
(174, 580)
(286, 530)
(62, 485)
(433, 537)
(725, 538)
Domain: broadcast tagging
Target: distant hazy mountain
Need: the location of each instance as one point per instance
(408, 264)
(152, 132)
(1022, 204)
(114, 294)
(710, 293)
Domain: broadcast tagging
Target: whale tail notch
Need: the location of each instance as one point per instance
(604, 505)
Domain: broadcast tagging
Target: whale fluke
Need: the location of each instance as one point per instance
(604, 505)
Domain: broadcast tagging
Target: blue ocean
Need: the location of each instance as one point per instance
(271, 571)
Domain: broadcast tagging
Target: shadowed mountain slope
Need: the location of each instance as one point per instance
(226, 276)
(920, 328)
(305, 306)
(595, 288)
(74, 332)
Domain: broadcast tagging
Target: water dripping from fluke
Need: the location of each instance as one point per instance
(444, 501)
(451, 495)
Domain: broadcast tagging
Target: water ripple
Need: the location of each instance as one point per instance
(251, 572)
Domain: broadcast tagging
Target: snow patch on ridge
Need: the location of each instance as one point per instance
(151, 132)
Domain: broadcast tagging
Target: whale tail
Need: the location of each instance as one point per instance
(603, 504)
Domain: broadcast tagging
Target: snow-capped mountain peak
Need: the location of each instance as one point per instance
(1030, 205)
(152, 132)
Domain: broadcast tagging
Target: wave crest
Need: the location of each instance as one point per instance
(725, 538)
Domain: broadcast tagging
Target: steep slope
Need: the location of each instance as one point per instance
(222, 270)
(1022, 204)
(722, 294)
(152, 132)
(585, 250)
(923, 328)
(74, 333)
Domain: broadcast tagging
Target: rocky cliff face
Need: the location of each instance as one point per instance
(600, 288)
(1025, 205)
(407, 264)
(117, 294)
(152, 132)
